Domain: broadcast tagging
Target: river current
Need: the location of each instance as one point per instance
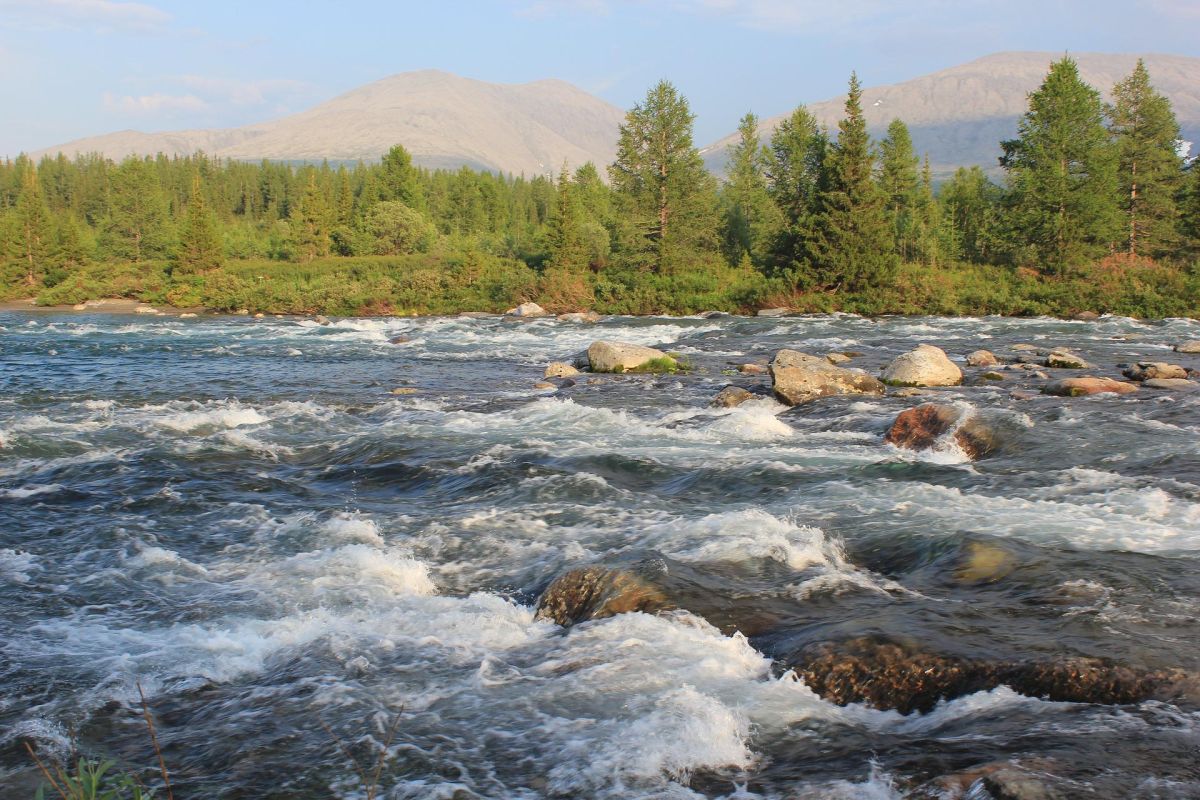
(241, 517)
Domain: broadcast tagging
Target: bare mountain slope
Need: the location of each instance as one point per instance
(444, 121)
(960, 115)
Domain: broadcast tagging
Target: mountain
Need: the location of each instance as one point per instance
(959, 115)
(444, 120)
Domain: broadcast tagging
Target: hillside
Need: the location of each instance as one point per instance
(444, 120)
(959, 115)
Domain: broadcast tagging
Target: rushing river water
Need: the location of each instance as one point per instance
(239, 515)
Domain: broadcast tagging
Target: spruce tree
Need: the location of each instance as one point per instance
(898, 182)
(928, 226)
(1150, 170)
(971, 207)
(853, 245)
(33, 230)
(1189, 227)
(310, 224)
(398, 179)
(200, 248)
(137, 227)
(1062, 172)
(565, 236)
(795, 173)
(750, 218)
(667, 197)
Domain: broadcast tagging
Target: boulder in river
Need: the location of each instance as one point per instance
(321, 319)
(400, 339)
(925, 366)
(731, 397)
(800, 377)
(772, 312)
(527, 310)
(753, 369)
(625, 357)
(982, 358)
(1088, 384)
(588, 317)
(1188, 347)
(922, 427)
(1065, 359)
(1148, 370)
(559, 369)
(1170, 384)
(886, 675)
(1087, 316)
(837, 358)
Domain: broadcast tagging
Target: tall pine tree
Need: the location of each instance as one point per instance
(1062, 172)
(795, 173)
(668, 198)
(1150, 170)
(200, 248)
(137, 227)
(853, 243)
(34, 233)
(898, 182)
(310, 224)
(750, 218)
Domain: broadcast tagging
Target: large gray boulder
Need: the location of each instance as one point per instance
(925, 366)
(624, 357)
(799, 377)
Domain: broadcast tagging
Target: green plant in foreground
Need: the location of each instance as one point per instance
(658, 366)
(90, 780)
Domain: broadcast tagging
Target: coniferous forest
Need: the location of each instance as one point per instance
(1097, 211)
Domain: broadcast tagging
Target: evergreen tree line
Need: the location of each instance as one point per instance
(808, 213)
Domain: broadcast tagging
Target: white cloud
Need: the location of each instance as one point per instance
(157, 103)
(100, 15)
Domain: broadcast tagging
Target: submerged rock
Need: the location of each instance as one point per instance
(920, 428)
(321, 319)
(598, 592)
(559, 369)
(753, 369)
(731, 397)
(772, 312)
(1170, 384)
(1065, 359)
(1149, 370)
(799, 377)
(837, 358)
(925, 366)
(400, 340)
(982, 358)
(889, 676)
(624, 357)
(1088, 384)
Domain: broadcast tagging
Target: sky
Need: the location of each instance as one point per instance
(75, 68)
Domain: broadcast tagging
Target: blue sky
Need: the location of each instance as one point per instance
(73, 68)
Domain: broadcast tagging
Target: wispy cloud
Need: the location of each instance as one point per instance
(98, 15)
(154, 104)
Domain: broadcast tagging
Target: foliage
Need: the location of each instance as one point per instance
(804, 222)
(1062, 173)
(1149, 168)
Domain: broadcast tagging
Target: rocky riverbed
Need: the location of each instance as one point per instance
(905, 557)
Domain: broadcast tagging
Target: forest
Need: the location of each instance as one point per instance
(1098, 210)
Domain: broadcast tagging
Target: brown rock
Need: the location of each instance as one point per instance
(837, 358)
(559, 369)
(753, 369)
(799, 377)
(399, 340)
(992, 375)
(1064, 359)
(1188, 347)
(982, 358)
(1148, 370)
(885, 675)
(920, 428)
(731, 397)
(401, 390)
(1077, 387)
(598, 592)
(1087, 316)
(545, 385)
(1170, 384)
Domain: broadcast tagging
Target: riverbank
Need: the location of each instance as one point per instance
(427, 285)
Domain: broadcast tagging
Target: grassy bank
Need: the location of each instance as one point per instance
(445, 284)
